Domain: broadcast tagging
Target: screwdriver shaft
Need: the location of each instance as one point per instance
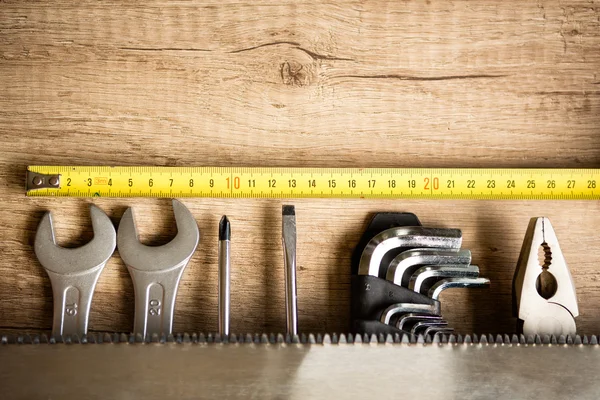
(224, 275)
(289, 258)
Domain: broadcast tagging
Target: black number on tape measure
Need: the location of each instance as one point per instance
(491, 184)
(471, 184)
(211, 183)
(450, 184)
(570, 184)
(352, 183)
(592, 184)
(170, 182)
(292, 183)
(312, 183)
(110, 182)
(412, 183)
(89, 181)
(130, 183)
(551, 184)
(150, 182)
(371, 183)
(68, 181)
(191, 182)
(531, 184)
(272, 183)
(331, 183)
(392, 183)
(510, 184)
(251, 183)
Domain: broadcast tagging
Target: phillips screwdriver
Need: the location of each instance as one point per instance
(224, 271)
(289, 257)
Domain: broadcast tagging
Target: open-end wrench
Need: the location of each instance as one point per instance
(423, 278)
(156, 271)
(407, 236)
(404, 264)
(74, 272)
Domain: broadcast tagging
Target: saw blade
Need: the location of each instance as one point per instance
(304, 339)
(319, 370)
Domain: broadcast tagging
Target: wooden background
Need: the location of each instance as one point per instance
(431, 83)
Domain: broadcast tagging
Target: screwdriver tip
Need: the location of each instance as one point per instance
(288, 210)
(224, 229)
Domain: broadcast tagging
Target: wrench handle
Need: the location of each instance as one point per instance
(72, 298)
(155, 294)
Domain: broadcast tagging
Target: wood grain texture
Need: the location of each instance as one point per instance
(345, 83)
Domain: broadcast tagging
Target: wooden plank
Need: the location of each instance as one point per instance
(383, 84)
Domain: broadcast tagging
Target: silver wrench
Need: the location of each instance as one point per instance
(156, 271)
(405, 263)
(74, 272)
(407, 236)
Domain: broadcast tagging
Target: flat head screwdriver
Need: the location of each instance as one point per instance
(289, 259)
(224, 272)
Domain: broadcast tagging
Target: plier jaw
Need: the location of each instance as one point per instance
(543, 289)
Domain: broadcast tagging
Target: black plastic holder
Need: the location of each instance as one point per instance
(371, 295)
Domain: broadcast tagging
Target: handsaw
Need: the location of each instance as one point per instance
(306, 366)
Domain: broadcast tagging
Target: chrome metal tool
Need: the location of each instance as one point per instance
(156, 271)
(404, 308)
(74, 272)
(404, 264)
(411, 318)
(289, 258)
(224, 275)
(449, 283)
(424, 277)
(546, 302)
(406, 236)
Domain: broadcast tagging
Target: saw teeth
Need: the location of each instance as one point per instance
(310, 339)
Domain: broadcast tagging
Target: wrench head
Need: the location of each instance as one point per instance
(65, 261)
(158, 258)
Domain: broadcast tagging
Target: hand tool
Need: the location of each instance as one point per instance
(404, 264)
(440, 286)
(437, 330)
(464, 367)
(275, 182)
(423, 325)
(408, 236)
(544, 292)
(224, 273)
(402, 308)
(155, 271)
(428, 273)
(411, 318)
(289, 258)
(74, 272)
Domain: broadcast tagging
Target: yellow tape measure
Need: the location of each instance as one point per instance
(379, 183)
